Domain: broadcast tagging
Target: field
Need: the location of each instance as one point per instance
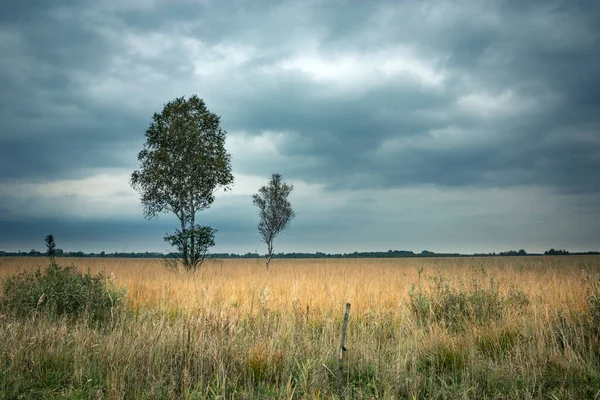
(506, 327)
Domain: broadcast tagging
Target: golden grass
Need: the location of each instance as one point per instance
(324, 285)
(233, 329)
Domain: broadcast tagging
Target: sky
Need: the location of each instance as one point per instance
(467, 126)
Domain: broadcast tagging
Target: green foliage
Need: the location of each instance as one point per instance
(202, 238)
(516, 299)
(183, 160)
(59, 291)
(182, 164)
(362, 381)
(454, 308)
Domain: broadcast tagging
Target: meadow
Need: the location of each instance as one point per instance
(502, 327)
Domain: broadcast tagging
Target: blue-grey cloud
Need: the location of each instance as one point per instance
(372, 96)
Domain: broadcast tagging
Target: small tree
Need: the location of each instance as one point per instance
(183, 163)
(274, 210)
(50, 248)
(200, 239)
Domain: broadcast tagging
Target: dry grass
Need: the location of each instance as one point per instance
(235, 330)
(324, 285)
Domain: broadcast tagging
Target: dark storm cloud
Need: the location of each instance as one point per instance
(65, 155)
(545, 52)
(48, 130)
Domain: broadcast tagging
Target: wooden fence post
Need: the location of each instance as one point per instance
(342, 356)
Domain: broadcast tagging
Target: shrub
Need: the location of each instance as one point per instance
(60, 291)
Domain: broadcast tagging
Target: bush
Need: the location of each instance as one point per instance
(59, 291)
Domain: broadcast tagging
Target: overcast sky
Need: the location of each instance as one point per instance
(444, 125)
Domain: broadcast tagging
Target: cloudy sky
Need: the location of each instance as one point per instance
(445, 125)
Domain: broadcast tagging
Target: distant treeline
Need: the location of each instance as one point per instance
(318, 254)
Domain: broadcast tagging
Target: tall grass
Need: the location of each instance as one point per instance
(419, 328)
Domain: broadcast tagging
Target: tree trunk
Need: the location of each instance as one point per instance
(193, 259)
(270, 252)
(184, 249)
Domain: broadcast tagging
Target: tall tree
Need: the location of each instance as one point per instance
(274, 210)
(182, 164)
